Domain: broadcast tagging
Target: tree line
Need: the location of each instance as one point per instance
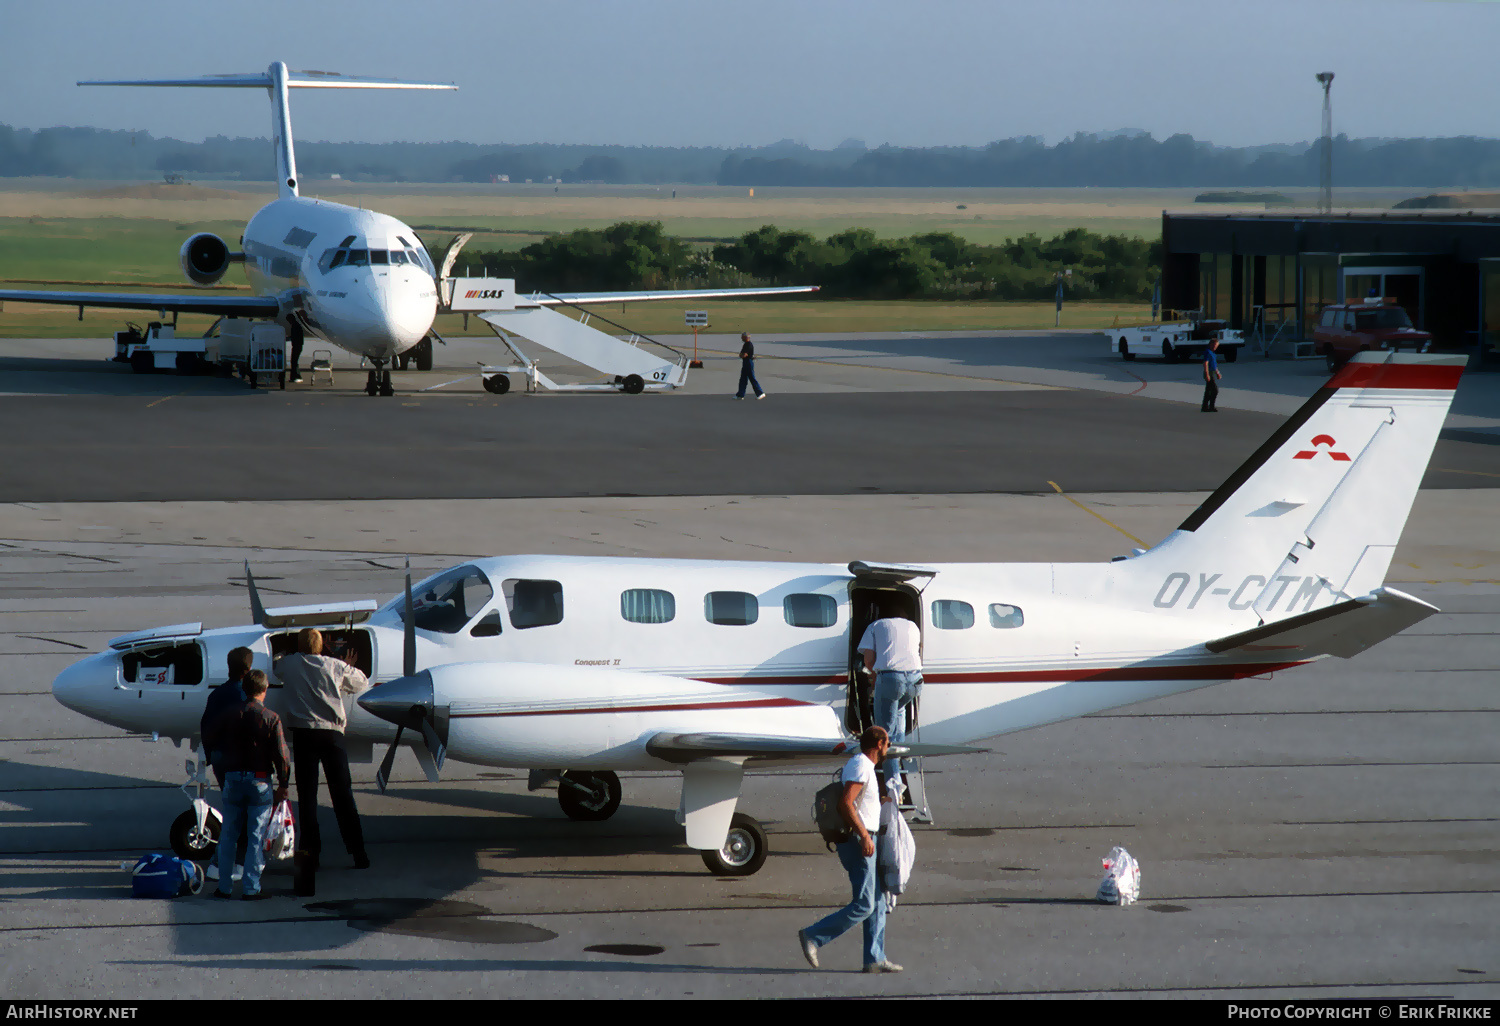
(1121, 159)
(849, 264)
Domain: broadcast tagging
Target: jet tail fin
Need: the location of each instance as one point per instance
(1313, 517)
(277, 80)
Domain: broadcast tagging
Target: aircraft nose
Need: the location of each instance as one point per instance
(405, 701)
(81, 686)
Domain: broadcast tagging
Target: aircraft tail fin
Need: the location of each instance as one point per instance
(1313, 517)
(277, 80)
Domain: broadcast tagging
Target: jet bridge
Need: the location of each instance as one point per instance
(632, 364)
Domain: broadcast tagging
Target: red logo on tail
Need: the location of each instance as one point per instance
(1307, 454)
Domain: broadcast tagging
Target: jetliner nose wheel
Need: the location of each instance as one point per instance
(189, 842)
(744, 850)
(589, 797)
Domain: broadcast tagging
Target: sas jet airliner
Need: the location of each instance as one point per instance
(357, 278)
(577, 668)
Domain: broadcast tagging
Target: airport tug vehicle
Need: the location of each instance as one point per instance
(578, 668)
(1177, 341)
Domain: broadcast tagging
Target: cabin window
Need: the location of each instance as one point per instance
(952, 615)
(451, 601)
(810, 610)
(731, 608)
(180, 665)
(1005, 617)
(533, 603)
(648, 605)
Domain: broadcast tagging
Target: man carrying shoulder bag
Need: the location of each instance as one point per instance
(860, 808)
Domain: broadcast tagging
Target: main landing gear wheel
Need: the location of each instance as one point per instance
(588, 796)
(633, 384)
(744, 850)
(191, 843)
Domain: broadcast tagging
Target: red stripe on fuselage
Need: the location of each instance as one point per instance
(1195, 671)
(1436, 377)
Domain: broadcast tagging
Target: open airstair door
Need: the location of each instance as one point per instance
(881, 590)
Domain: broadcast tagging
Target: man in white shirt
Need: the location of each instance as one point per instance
(892, 650)
(860, 807)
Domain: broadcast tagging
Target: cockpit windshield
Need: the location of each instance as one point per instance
(447, 602)
(408, 254)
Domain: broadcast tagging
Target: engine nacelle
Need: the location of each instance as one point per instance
(205, 257)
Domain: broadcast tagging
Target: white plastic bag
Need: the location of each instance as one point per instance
(281, 834)
(895, 852)
(1122, 878)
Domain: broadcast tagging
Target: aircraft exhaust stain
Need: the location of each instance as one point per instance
(626, 949)
(1167, 908)
(439, 919)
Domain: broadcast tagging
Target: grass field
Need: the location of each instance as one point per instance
(63, 231)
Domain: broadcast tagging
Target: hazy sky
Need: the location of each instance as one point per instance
(733, 72)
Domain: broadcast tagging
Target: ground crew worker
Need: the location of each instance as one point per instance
(314, 700)
(1211, 377)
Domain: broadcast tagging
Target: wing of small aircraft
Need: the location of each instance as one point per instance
(1344, 629)
(590, 298)
(219, 306)
(685, 748)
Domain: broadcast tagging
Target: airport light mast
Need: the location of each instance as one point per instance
(1325, 169)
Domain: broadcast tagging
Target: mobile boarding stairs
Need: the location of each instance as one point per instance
(627, 364)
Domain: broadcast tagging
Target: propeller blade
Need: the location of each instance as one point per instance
(383, 775)
(426, 761)
(435, 746)
(257, 611)
(408, 623)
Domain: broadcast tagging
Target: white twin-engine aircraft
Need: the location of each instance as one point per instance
(576, 667)
(356, 278)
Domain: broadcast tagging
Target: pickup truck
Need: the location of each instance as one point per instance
(1348, 328)
(1177, 341)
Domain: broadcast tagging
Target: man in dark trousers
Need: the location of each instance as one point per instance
(747, 368)
(1211, 377)
(314, 699)
(254, 747)
(220, 700)
(860, 807)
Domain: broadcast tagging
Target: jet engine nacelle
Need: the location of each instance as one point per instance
(205, 257)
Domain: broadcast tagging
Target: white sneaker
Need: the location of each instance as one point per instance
(761, 396)
(739, 397)
(212, 872)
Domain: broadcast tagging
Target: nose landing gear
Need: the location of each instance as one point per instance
(379, 380)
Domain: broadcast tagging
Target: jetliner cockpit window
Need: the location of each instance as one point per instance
(378, 256)
(810, 610)
(731, 608)
(648, 605)
(1004, 616)
(358, 258)
(952, 615)
(180, 665)
(331, 259)
(451, 601)
(398, 257)
(533, 603)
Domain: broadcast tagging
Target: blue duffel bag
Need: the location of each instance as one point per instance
(165, 876)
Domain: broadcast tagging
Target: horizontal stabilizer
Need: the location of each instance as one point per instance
(684, 748)
(1344, 629)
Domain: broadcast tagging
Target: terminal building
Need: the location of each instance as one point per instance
(1271, 273)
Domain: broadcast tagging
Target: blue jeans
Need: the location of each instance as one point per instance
(747, 374)
(867, 906)
(246, 798)
(894, 691)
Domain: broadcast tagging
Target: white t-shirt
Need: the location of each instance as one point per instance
(860, 770)
(895, 642)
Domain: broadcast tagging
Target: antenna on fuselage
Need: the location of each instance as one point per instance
(276, 81)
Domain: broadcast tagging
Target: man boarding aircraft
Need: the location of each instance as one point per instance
(356, 278)
(580, 667)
